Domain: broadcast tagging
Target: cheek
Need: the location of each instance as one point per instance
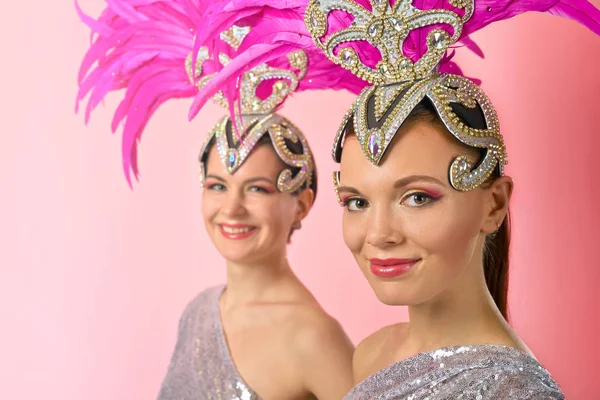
(275, 213)
(353, 227)
(209, 207)
(448, 233)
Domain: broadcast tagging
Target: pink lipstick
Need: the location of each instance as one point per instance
(237, 231)
(392, 267)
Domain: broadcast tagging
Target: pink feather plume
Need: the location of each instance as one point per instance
(140, 47)
(277, 29)
(489, 11)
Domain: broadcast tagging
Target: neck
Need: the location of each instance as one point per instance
(464, 314)
(255, 282)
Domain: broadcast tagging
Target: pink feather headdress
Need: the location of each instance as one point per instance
(141, 47)
(278, 28)
(411, 39)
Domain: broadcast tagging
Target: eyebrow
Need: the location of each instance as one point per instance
(398, 184)
(348, 189)
(246, 182)
(415, 178)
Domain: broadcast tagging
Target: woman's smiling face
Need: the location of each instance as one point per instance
(245, 215)
(411, 233)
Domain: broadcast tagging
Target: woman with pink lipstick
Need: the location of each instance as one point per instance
(426, 200)
(262, 335)
(263, 331)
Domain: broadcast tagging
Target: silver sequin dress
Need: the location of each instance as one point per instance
(201, 366)
(461, 373)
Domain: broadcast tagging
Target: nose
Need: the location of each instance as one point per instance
(233, 204)
(382, 229)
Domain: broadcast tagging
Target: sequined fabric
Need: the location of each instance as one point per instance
(201, 366)
(464, 372)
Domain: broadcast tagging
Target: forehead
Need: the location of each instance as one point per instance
(262, 161)
(419, 148)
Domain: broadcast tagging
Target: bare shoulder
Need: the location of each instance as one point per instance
(323, 353)
(309, 329)
(314, 332)
(370, 349)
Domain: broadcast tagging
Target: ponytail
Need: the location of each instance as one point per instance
(495, 265)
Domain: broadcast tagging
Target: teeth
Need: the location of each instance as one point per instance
(236, 231)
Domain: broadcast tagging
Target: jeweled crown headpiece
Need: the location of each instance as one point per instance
(402, 80)
(278, 48)
(400, 83)
(254, 116)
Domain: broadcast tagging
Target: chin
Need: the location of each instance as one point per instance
(242, 253)
(251, 257)
(232, 251)
(391, 299)
(393, 293)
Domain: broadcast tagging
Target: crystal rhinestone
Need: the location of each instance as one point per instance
(396, 24)
(373, 144)
(375, 29)
(314, 21)
(232, 158)
(462, 166)
(252, 77)
(380, 3)
(240, 32)
(385, 70)
(348, 57)
(404, 65)
(439, 40)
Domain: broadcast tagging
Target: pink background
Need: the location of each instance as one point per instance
(94, 275)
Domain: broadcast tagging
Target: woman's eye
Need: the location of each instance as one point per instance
(258, 189)
(355, 204)
(217, 187)
(417, 199)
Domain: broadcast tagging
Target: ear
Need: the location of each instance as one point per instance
(499, 194)
(305, 201)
